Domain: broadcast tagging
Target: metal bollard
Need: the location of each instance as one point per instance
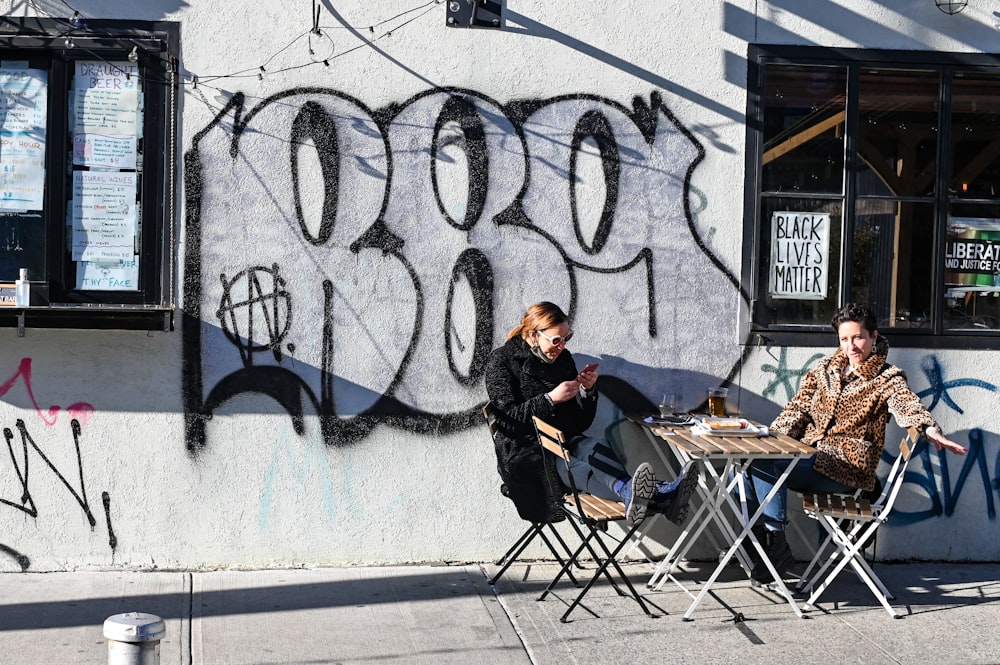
(134, 638)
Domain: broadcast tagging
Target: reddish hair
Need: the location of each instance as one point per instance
(539, 316)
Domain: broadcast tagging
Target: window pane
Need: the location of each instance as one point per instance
(897, 132)
(23, 120)
(106, 128)
(891, 262)
(972, 268)
(799, 260)
(803, 132)
(975, 136)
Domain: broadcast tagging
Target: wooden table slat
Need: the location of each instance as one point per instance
(711, 445)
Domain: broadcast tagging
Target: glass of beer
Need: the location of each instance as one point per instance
(717, 402)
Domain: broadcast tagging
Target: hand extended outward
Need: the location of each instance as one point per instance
(941, 441)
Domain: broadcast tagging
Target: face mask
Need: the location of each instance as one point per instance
(541, 356)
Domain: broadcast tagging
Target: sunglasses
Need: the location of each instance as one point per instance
(558, 339)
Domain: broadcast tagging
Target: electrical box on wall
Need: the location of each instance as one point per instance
(473, 13)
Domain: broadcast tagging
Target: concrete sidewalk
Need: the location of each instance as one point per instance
(449, 614)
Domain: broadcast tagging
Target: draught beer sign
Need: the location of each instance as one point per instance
(800, 255)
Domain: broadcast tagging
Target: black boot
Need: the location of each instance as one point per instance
(760, 531)
(780, 554)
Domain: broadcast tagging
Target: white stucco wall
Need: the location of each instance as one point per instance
(389, 462)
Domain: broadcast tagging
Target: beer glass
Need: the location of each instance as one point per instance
(717, 402)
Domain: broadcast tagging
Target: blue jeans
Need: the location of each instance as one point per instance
(595, 467)
(803, 478)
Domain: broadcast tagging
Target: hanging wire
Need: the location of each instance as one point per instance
(258, 71)
(255, 72)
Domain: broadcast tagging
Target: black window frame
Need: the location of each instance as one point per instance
(154, 48)
(758, 331)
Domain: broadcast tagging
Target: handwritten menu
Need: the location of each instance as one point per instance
(104, 150)
(107, 121)
(103, 216)
(106, 98)
(23, 104)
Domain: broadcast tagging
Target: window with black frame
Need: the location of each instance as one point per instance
(874, 176)
(86, 157)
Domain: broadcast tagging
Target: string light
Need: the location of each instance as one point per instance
(315, 57)
(316, 29)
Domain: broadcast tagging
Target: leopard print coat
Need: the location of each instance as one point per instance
(844, 417)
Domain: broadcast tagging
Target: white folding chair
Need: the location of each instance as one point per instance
(850, 522)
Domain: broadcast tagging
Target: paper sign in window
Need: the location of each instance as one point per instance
(972, 252)
(105, 99)
(23, 104)
(800, 255)
(103, 216)
(104, 151)
(112, 276)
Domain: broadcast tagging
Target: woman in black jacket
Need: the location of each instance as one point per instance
(532, 374)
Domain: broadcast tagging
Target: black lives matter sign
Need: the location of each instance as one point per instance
(800, 255)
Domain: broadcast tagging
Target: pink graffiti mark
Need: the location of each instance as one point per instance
(81, 411)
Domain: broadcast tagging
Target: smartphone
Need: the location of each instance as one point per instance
(589, 368)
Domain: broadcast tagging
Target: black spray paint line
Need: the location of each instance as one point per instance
(314, 125)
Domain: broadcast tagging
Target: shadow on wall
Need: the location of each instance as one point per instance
(150, 9)
(349, 410)
(371, 270)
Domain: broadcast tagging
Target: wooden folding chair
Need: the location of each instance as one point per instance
(851, 521)
(590, 516)
(536, 529)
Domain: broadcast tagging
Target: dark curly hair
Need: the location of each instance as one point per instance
(856, 313)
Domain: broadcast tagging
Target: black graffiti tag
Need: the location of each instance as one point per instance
(450, 211)
(20, 457)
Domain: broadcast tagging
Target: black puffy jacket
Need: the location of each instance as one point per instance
(516, 382)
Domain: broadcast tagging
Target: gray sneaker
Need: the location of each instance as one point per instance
(639, 491)
(673, 499)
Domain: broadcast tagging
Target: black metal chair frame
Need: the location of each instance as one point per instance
(536, 529)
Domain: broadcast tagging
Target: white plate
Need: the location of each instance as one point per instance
(747, 429)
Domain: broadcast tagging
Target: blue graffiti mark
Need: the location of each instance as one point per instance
(939, 387)
(783, 376)
(288, 464)
(977, 456)
(925, 480)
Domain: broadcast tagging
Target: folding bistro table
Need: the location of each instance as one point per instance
(664, 570)
(734, 453)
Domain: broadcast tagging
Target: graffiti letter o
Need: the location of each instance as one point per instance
(314, 123)
(461, 111)
(473, 265)
(594, 125)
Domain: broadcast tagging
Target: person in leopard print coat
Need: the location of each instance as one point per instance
(841, 408)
